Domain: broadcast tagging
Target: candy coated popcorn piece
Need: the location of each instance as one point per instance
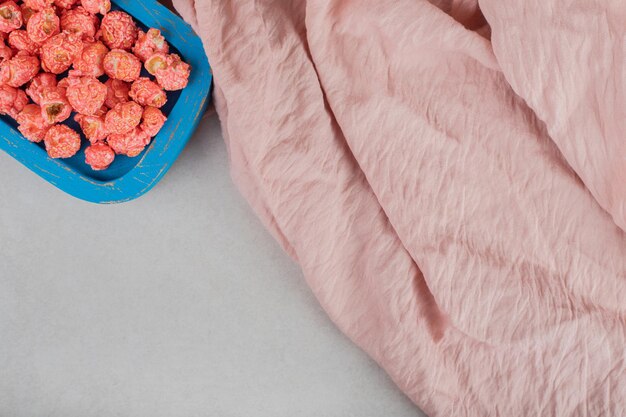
(19, 39)
(37, 5)
(43, 25)
(175, 75)
(155, 63)
(124, 117)
(64, 83)
(21, 100)
(118, 30)
(86, 94)
(10, 16)
(99, 156)
(93, 127)
(130, 143)
(31, 124)
(54, 105)
(58, 52)
(19, 70)
(149, 44)
(27, 13)
(117, 92)
(122, 65)
(5, 51)
(7, 97)
(147, 93)
(65, 4)
(12, 101)
(79, 22)
(91, 60)
(36, 86)
(62, 142)
(97, 6)
(152, 121)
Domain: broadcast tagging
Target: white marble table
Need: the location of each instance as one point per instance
(178, 304)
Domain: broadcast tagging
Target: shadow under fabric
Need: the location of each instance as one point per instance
(444, 225)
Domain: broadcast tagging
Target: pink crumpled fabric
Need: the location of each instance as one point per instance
(451, 176)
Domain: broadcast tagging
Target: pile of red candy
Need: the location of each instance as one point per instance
(40, 39)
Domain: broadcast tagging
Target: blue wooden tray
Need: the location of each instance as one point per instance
(128, 178)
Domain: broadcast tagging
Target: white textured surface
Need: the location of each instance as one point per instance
(177, 304)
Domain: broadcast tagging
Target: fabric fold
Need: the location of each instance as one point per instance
(572, 73)
(382, 144)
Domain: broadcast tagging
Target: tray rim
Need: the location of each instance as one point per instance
(164, 148)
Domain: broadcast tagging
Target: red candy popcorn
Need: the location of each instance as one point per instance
(147, 93)
(118, 30)
(150, 43)
(97, 6)
(58, 52)
(62, 142)
(7, 97)
(43, 25)
(91, 60)
(93, 127)
(124, 117)
(31, 124)
(10, 16)
(152, 121)
(63, 83)
(99, 156)
(54, 105)
(131, 143)
(85, 94)
(122, 65)
(120, 116)
(37, 5)
(155, 62)
(36, 86)
(19, 70)
(117, 92)
(27, 13)
(174, 75)
(19, 39)
(21, 100)
(5, 51)
(65, 4)
(79, 22)
(12, 101)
